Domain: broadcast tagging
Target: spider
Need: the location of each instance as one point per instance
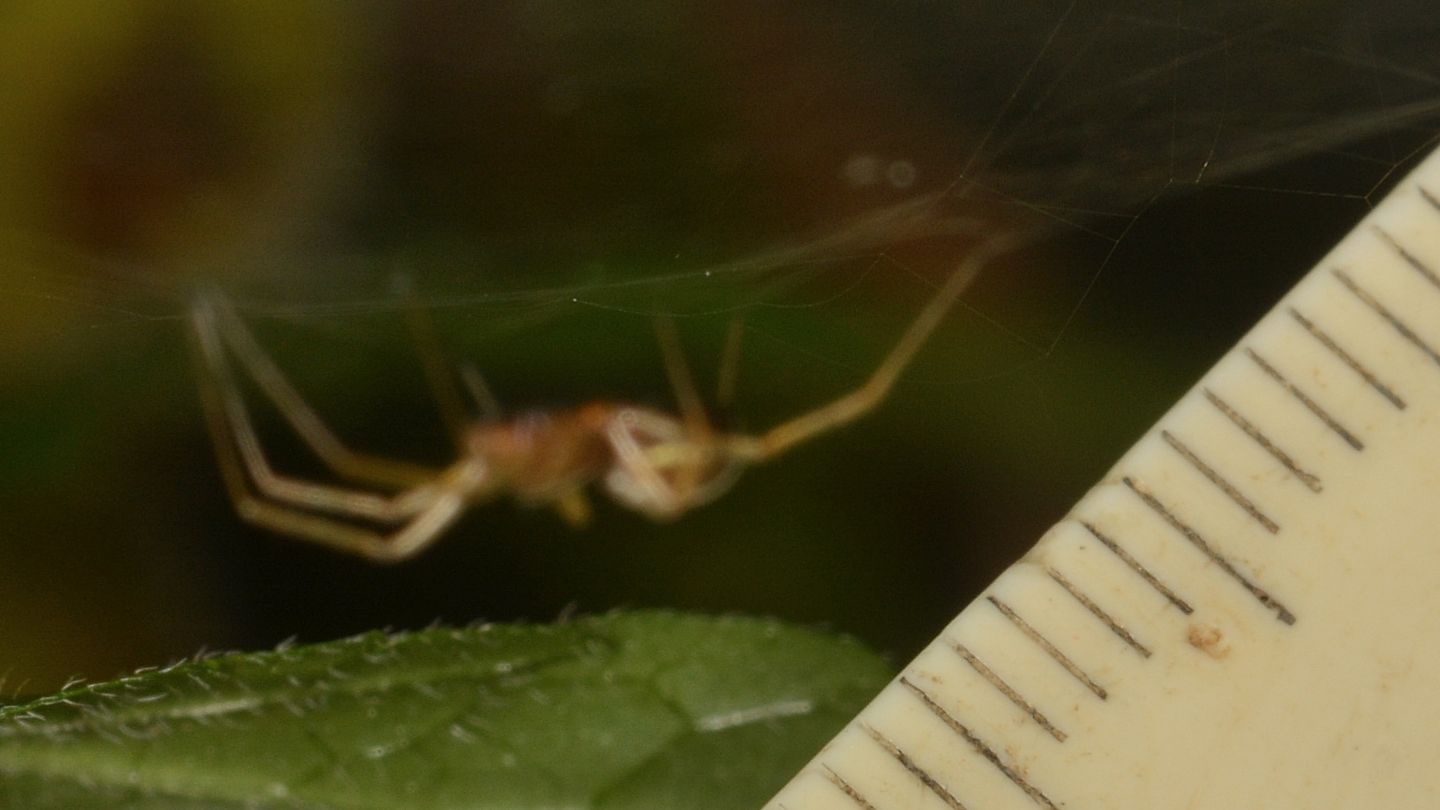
(660, 464)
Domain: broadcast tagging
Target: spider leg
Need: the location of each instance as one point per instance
(692, 409)
(480, 393)
(404, 542)
(427, 510)
(217, 317)
(651, 494)
(687, 395)
(727, 380)
(661, 471)
(239, 448)
(438, 373)
(860, 401)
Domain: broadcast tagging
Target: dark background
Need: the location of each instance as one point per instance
(550, 175)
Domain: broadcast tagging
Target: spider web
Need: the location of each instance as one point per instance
(545, 179)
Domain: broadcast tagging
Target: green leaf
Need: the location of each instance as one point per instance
(620, 712)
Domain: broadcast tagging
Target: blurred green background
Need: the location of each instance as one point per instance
(548, 176)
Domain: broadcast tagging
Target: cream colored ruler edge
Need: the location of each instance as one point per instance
(1245, 612)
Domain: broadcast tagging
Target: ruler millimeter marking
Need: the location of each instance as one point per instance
(1244, 612)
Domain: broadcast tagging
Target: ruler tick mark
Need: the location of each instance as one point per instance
(1430, 198)
(1411, 259)
(1345, 357)
(1310, 404)
(1260, 594)
(1309, 479)
(1007, 690)
(839, 781)
(1139, 569)
(1230, 490)
(1398, 325)
(1050, 649)
(1098, 612)
(910, 765)
(978, 744)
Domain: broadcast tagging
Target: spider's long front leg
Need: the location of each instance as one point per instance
(218, 317)
(860, 401)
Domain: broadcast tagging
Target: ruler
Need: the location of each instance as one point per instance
(1244, 612)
